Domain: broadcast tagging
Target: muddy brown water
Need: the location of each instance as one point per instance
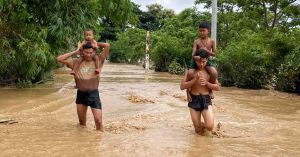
(145, 115)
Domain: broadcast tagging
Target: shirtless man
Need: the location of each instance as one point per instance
(207, 44)
(87, 81)
(198, 81)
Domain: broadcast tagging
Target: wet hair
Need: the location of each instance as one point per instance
(204, 24)
(202, 53)
(88, 45)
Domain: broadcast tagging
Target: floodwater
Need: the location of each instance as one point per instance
(145, 115)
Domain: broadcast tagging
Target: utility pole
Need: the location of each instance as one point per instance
(147, 62)
(214, 7)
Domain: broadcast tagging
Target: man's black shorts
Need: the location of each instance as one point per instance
(89, 98)
(200, 102)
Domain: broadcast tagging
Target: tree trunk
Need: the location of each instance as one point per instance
(275, 14)
(265, 15)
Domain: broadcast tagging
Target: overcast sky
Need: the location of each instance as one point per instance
(176, 5)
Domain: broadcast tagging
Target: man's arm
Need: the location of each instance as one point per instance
(104, 53)
(62, 58)
(187, 82)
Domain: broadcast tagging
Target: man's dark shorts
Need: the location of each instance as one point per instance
(89, 98)
(200, 102)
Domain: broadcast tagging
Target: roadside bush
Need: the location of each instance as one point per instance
(288, 76)
(130, 46)
(118, 50)
(246, 62)
(26, 61)
(176, 68)
(167, 49)
(225, 70)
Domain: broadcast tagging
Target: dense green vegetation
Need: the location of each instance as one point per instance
(258, 41)
(34, 32)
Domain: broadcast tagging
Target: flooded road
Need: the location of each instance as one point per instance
(145, 115)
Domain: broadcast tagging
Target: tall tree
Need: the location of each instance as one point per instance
(160, 13)
(153, 19)
(33, 32)
(268, 13)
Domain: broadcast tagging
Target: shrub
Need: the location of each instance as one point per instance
(129, 46)
(225, 70)
(288, 76)
(176, 68)
(246, 62)
(168, 49)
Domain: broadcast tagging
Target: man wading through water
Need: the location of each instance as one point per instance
(87, 81)
(198, 81)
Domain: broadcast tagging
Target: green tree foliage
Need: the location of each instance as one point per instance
(148, 21)
(258, 41)
(288, 76)
(273, 22)
(130, 46)
(267, 13)
(282, 43)
(235, 16)
(34, 32)
(174, 42)
(160, 13)
(168, 49)
(154, 18)
(145, 20)
(245, 62)
(109, 30)
(119, 11)
(185, 26)
(115, 22)
(288, 70)
(171, 43)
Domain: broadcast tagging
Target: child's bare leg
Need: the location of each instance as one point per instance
(97, 63)
(213, 78)
(76, 65)
(95, 44)
(188, 95)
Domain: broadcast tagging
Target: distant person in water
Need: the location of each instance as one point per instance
(87, 81)
(204, 43)
(198, 81)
